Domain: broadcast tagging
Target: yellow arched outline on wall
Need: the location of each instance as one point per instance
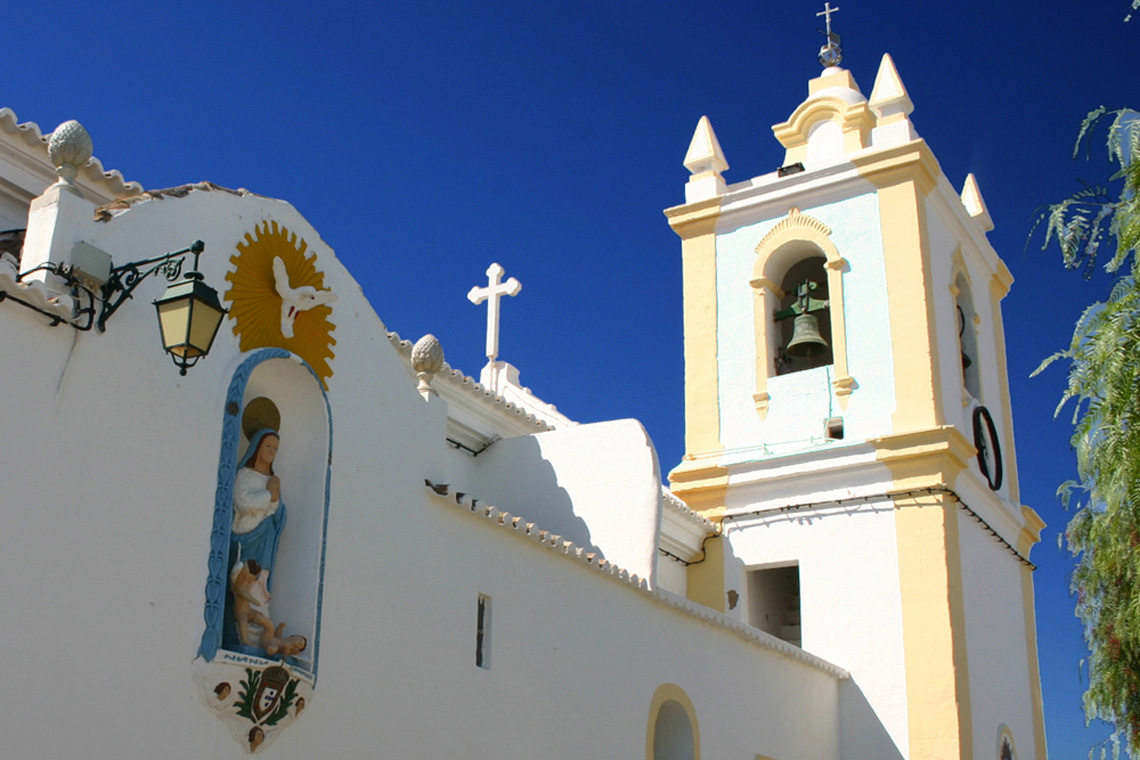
(796, 229)
(855, 120)
(671, 692)
(1005, 733)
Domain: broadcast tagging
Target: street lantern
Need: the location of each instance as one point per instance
(189, 315)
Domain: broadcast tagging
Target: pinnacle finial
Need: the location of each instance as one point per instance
(830, 54)
(69, 148)
(427, 359)
(705, 154)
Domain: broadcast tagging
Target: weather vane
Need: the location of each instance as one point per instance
(830, 54)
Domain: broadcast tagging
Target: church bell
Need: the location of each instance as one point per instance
(806, 340)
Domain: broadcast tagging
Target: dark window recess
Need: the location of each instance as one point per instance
(774, 602)
(482, 629)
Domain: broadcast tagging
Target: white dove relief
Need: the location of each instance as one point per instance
(296, 300)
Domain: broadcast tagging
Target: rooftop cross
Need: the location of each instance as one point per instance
(827, 11)
(829, 54)
(491, 294)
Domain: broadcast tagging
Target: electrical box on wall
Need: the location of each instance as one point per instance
(90, 264)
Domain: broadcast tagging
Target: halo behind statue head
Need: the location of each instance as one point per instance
(260, 413)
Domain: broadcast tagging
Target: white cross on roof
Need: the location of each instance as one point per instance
(491, 294)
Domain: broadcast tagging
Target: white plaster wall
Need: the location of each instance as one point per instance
(597, 485)
(996, 638)
(849, 601)
(672, 576)
(801, 402)
(945, 239)
(107, 478)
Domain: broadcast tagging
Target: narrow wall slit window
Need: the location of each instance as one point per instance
(483, 632)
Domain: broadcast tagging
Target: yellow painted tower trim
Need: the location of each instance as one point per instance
(1029, 536)
(855, 120)
(699, 480)
(704, 580)
(999, 287)
(904, 177)
(939, 719)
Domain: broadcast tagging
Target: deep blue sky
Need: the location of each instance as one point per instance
(425, 140)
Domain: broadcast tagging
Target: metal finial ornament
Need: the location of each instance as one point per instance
(830, 54)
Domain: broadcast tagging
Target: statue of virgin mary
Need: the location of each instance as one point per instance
(258, 516)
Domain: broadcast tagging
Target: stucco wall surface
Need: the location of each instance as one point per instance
(597, 485)
(108, 471)
(801, 402)
(850, 608)
(996, 640)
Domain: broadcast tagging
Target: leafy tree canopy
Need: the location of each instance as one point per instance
(1101, 224)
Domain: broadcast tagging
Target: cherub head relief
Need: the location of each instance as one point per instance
(296, 300)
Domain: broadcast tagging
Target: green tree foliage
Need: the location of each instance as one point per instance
(1095, 224)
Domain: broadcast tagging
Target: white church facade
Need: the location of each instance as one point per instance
(319, 539)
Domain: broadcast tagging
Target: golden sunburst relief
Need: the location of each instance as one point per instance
(255, 304)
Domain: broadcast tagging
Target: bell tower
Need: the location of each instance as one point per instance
(847, 419)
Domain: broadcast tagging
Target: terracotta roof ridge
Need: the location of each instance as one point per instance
(92, 171)
(108, 211)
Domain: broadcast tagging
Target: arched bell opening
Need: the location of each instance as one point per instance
(967, 336)
(803, 319)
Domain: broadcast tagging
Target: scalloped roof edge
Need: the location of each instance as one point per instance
(471, 386)
(92, 171)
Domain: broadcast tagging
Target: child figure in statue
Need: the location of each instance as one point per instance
(258, 520)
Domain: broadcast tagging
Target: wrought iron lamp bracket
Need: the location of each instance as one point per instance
(123, 280)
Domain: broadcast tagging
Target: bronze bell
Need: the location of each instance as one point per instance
(806, 340)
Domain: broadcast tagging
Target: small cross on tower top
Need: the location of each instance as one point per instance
(827, 11)
(491, 294)
(830, 54)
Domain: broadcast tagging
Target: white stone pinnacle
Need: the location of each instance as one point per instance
(889, 96)
(975, 205)
(705, 154)
(495, 290)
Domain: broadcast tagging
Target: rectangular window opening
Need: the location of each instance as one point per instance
(774, 602)
(483, 633)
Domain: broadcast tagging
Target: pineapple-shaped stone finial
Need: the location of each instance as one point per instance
(427, 359)
(69, 148)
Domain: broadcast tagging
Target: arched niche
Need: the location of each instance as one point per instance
(967, 321)
(794, 239)
(1005, 746)
(673, 732)
(274, 379)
